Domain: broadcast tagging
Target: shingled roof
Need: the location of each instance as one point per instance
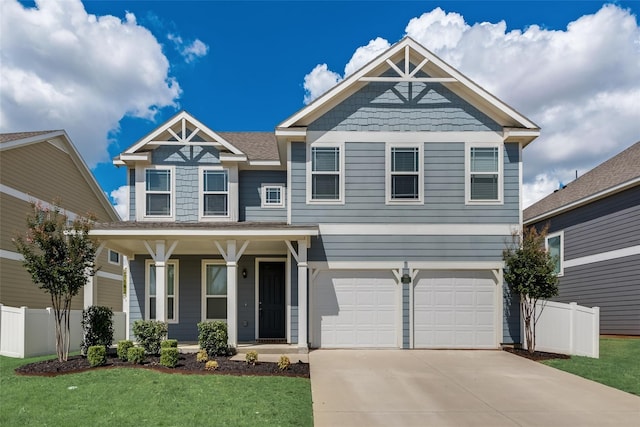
(609, 176)
(14, 136)
(256, 145)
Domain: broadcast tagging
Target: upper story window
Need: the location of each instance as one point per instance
(554, 244)
(272, 195)
(404, 173)
(326, 176)
(114, 257)
(158, 192)
(215, 193)
(483, 174)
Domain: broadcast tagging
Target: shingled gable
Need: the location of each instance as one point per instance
(616, 174)
(517, 128)
(181, 129)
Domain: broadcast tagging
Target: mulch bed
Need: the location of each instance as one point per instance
(538, 356)
(187, 364)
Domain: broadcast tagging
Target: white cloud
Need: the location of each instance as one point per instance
(318, 81)
(580, 84)
(364, 54)
(120, 199)
(63, 68)
(189, 51)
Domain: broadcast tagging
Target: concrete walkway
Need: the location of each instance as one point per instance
(457, 388)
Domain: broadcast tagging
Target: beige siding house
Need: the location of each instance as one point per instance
(45, 167)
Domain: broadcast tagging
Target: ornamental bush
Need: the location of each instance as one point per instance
(136, 355)
(213, 337)
(169, 357)
(202, 356)
(123, 349)
(149, 334)
(97, 355)
(251, 357)
(284, 362)
(211, 365)
(97, 327)
(169, 344)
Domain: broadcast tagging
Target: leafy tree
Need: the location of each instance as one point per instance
(59, 255)
(530, 272)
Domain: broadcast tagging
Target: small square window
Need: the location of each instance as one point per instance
(272, 195)
(114, 257)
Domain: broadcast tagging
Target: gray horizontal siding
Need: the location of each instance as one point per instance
(612, 285)
(444, 198)
(404, 106)
(407, 248)
(250, 183)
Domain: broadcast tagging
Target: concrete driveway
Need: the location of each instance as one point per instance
(457, 388)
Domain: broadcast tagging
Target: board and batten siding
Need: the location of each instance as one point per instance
(444, 189)
(250, 199)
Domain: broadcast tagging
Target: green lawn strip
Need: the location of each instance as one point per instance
(618, 365)
(125, 396)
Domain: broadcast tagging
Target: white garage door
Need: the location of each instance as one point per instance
(455, 309)
(354, 309)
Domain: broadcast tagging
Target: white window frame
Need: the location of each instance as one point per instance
(467, 173)
(147, 277)
(201, 193)
(341, 150)
(141, 193)
(388, 157)
(109, 257)
(546, 246)
(263, 195)
(203, 295)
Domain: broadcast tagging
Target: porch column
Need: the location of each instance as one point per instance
(302, 295)
(161, 281)
(232, 293)
(89, 290)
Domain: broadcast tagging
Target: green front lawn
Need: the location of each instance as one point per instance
(127, 396)
(618, 365)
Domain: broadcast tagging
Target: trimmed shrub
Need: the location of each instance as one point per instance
(123, 349)
(149, 334)
(97, 328)
(211, 365)
(284, 362)
(202, 356)
(97, 355)
(169, 344)
(136, 355)
(213, 337)
(251, 357)
(169, 357)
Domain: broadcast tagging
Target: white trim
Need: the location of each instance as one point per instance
(14, 256)
(341, 175)
(31, 140)
(263, 196)
(546, 246)
(403, 137)
(203, 287)
(289, 182)
(287, 306)
(110, 276)
(5, 189)
(141, 193)
(419, 229)
(295, 132)
(176, 295)
(389, 146)
(288, 296)
(591, 198)
(230, 175)
(467, 173)
(420, 265)
(110, 251)
(520, 186)
(205, 233)
(603, 256)
(265, 163)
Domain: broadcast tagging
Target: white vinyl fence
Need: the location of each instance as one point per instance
(27, 332)
(568, 329)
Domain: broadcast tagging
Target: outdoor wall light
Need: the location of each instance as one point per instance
(244, 273)
(406, 278)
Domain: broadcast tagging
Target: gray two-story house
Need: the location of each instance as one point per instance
(374, 217)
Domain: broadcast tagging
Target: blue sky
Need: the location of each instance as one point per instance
(242, 66)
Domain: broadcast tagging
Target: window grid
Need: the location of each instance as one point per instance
(325, 173)
(484, 174)
(158, 192)
(215, 291)
(215, 193)
(170, 290)
(405, 173)
(272, 195)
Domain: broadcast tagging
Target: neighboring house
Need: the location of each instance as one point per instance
(44, 167)
(375, 216)
(594, 230)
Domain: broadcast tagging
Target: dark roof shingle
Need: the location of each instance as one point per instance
(256, 145)
(619, 169)
(14, 136)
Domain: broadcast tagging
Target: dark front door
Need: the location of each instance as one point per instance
(271, 303)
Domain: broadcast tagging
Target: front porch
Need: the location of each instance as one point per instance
(251, 275)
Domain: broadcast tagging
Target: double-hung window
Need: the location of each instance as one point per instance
(405, 176)
(215, 193)
(326, 174)
(484, 174)
(171, 288)
(158, 192)
(214, 290)
(555, 246)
